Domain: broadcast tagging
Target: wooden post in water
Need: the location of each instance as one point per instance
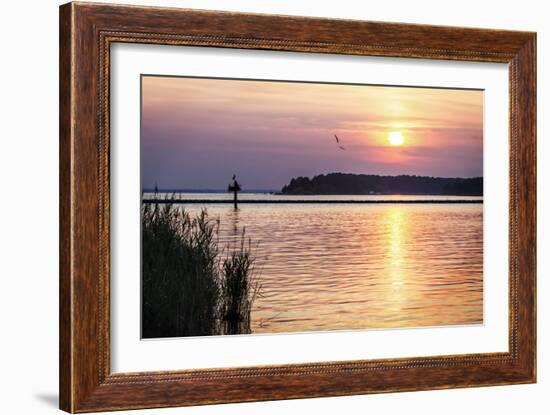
(235, 188)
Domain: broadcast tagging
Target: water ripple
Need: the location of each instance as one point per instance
(341, 266)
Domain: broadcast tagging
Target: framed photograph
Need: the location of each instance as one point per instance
(258, 207)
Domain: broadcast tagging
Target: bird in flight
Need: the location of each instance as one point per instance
(338, 142)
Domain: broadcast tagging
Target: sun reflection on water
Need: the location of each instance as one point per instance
(397, 223)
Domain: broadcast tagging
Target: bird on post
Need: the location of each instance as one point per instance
(235, 187)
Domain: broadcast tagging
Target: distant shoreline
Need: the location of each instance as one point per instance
(309, 201)
(362, 184)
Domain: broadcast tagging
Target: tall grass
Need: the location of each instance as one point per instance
(238, 278)
(190, 285)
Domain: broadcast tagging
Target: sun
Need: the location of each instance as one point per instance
(396, 138)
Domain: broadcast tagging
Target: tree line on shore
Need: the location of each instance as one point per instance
(364, 184)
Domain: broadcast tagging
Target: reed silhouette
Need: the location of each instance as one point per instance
(191, 286)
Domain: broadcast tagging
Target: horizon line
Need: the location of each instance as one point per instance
(259, 189)
(311, 202)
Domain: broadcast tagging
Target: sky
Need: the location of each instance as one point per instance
(197, 132)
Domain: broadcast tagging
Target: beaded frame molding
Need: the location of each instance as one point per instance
(86, 33)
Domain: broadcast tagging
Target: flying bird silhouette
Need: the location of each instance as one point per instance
(338, 142)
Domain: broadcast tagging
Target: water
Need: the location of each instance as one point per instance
(341, 266)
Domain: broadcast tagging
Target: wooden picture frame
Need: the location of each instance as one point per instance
(86, 33)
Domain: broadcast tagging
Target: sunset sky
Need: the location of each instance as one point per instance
(196, 133)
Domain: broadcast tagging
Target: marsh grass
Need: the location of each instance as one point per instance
(238, 277)
(190, 285)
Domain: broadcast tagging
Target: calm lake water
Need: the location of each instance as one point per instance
(341, 266)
